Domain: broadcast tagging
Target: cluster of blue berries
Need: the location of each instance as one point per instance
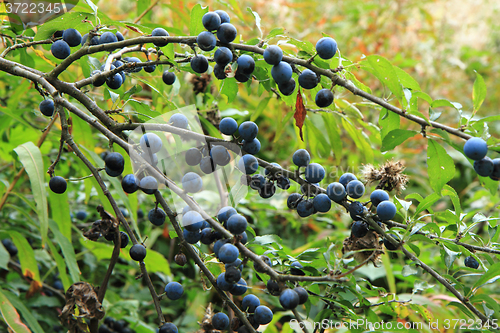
(476, 149)
(112, 325)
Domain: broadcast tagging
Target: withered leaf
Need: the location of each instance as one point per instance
(300, 114)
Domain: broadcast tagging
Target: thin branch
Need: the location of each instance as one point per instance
(299, 319)
(23, 45)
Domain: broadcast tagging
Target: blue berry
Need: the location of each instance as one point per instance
(119, 36)
(47, 107)
(192, 221)
(228, 253)
(72, 37)
(157, 216)
(475, 148)
(239, 288)
(289, 299)
(81, 215)
(378, 196)
(220, 155)
(192, 237)
(207, 236)
(273, 55)
(168, 77)
(295, 268)
(303, 295)
(241, 77)
(263, 315)
(293, 200)
(283, 183)
(211, 21)
(199, 63)
(97, 82)
(301, 158)
(248, 130)
(192, 182)
(150, 68)
(267, 190)
(324, 98)
(249, 303)
(495, 174)
(223, 284)
(326, 47)
(359, 229)
(336, 191)
(207, 165)
(228, 126)
(388, 245)
(60, 49)
(220, 321)
(471, 262)
(108, 37)
(346, 178)
(314, 173)
(305, 208)
(174, 290)
(58, 184)
(246, 64)
(356, 210)
(225, 213)
(355, 189)
(281, 72)
(218, 245)
(115, 161)
(178, 120)
(251, 147)
(248, 164)
(243, 237)
(386, 210)
(151, 143)
(287, 88)
(322, 203)
(223, 56)
(160, 32)
(226, 33)
(193, 156)
(237, 224)
(114, 82)
(206, 41)
(484, 167)
(257, 181)
(224, 17)
(137, 252)
(168, 328)
(148, 184)
(308, 79)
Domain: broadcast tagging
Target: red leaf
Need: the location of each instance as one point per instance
(300, 114)
(134, 29)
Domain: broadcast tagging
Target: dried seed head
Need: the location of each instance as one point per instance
(390, 176)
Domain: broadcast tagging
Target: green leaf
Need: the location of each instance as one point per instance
(406, 80)
(25, 312)
(25, 254)
(196, 26)
(478, 92)
(333, 134)
(492, 274)
(463, 308)
(92, 6)
(275, 32)
(449, 256)
(229, 88)
(32, 160)
(384, 71)
(443, 102)
(68, 252)
(395, 138)
(75, 20)
(449, 191)
(10, 315)
(440, 166)
(427, 202)
(4, 257)
(388, 121)
(409, 270)
(257, 19)
(60, 213)
(61, 266)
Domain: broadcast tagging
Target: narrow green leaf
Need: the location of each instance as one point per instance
(4, 257)
(492, 273)
(450, 191)
(440, 166)
(25, 254)
(275, 32)
(67, 251)
(61, 266)
(196, 26)
(59, 211)
(395, 138)
(333, 133)
(463, 308)
(478, 92)
(10, 316)
(25, 312)
(257, 19)
(32, 160)
(388, 121)
(427, 203)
